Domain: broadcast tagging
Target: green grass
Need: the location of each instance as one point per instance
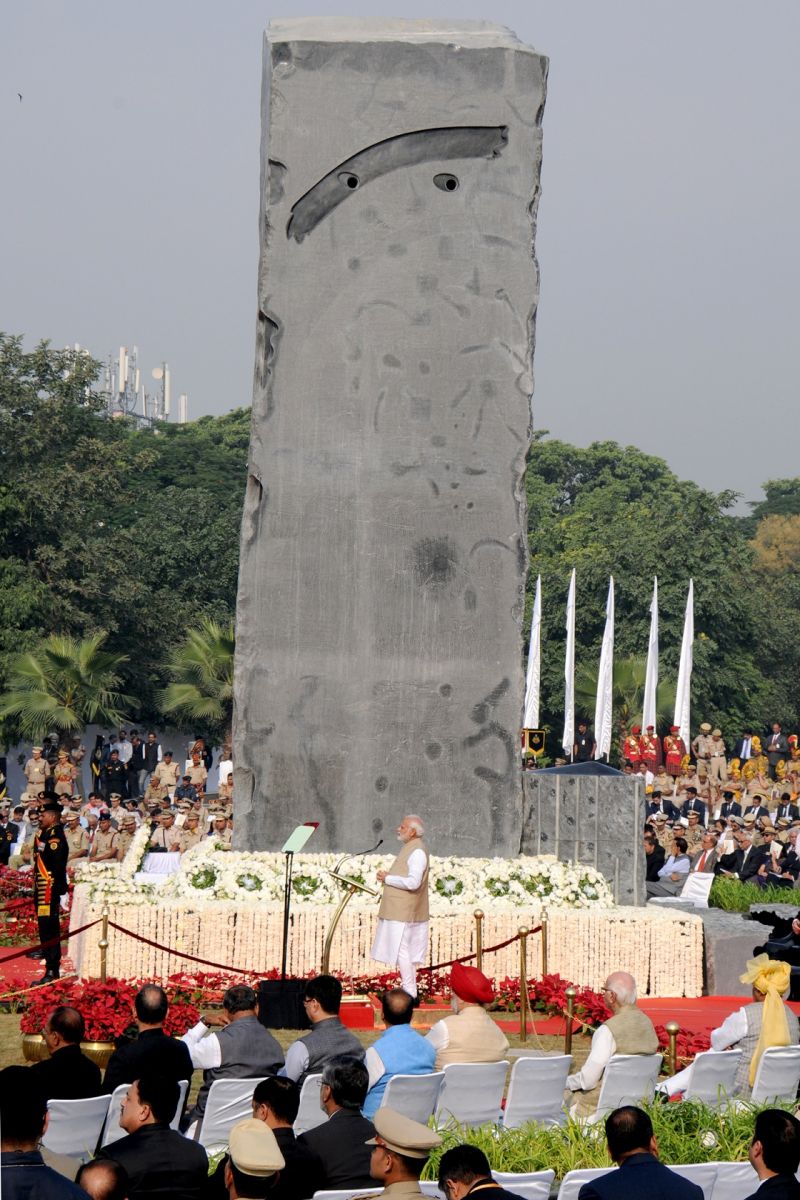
(732, 896)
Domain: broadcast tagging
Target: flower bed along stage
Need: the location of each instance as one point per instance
(227, 907)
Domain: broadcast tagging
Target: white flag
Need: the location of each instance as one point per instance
(684, 690)
(533, 678)
(568, 740)
(651, 676)
(605, 682)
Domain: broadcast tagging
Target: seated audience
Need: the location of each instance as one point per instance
(255, 1162)
(632, 1146)
(654, 857)
(67, 1074)
(276, 1101)
(705, 860)
(672, 876)
(745, 860)
(328, 1036)
(159, 1161)
(242, 1048)
(23, 1121)
(464, 1170)
(767, 1021)
(774, 1155)
(398, 1051)
(627, 1031)
(470, 1035)
(103, 1179)
(153, 1050)
(340, 1143)
(400, 1149)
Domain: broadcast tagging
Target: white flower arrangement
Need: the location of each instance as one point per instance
(209, 873)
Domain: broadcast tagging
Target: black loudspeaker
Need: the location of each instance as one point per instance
(280, 1004)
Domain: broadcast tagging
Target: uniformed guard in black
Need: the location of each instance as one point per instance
(50, 854)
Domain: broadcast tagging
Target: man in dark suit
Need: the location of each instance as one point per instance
(153, 1050)
(777, 747)
(632, 1146)
(158, 1160)
(786, 810)
(693, 803)
(660, 803)
(705, 860)
(774, 1155)
(756, 808)
(743, 750)
(654, 856)
(464, 1170)
(340, 1142)
(67, 1074)
(730, 807)
(745, 860)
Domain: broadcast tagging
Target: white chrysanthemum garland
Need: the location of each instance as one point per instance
(209, 873)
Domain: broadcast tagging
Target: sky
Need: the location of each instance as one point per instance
(667, 233)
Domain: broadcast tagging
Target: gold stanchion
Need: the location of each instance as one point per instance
(570, 993)
(673, 1029)
(103, 944)
(523, 984)
(544, 943)
(479, 938)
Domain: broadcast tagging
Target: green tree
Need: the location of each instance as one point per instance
(627, 691)
(64, 685)
(202, 687)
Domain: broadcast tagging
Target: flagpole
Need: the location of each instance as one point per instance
(568, 740)
(651, 674)
(533, 676)
(684, 689)
(603, 712)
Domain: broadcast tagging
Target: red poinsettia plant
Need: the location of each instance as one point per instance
(107, 1008)
(687, 1044)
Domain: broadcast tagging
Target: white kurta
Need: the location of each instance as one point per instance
(410, 936)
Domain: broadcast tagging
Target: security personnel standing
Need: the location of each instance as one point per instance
(9, 833)
(114, 776)
(50, 854)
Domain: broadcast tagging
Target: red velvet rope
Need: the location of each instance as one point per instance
(46, 945)
(486, 950)
(137, 937)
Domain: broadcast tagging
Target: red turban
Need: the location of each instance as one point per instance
(636, 729)
(471, 985)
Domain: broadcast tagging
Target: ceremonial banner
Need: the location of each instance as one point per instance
(533, 679)
(605, 682)
(568, 740)
(651, 675)
(684, 689)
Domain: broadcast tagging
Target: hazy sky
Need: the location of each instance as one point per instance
(669, 314)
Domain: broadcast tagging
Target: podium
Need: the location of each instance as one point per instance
(351, 886)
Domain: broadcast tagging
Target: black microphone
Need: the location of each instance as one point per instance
(357, 854)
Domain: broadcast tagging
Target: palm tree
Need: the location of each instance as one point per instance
(202, 679)
(627, 691)
(64, 685)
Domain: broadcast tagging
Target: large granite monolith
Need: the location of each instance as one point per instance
(379, 651)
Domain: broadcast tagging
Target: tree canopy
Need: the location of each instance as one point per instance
(107, 527)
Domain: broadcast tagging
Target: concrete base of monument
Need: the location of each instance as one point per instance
(662, 948)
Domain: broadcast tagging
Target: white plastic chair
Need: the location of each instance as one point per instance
(703, 1174)
(573, 1181)
(627, 1079)
(229, 1101)
(75, 1126)
(414, 1096)
(713, 1076)
(695, 891)
(777, 1075)
(533, 1185)
(536, 1091)
(429, 1187)
(309, 1114)
(471, 1093)
(735, 1181)
(113, 1131)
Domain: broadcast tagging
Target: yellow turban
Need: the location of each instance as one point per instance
(772, 979)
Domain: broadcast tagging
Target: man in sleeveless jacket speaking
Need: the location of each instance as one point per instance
(401, 938)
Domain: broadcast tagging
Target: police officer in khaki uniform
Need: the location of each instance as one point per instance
(104, 842)
(77, 837)
(191, 834)
(693, 833)
(165, 835)
(401, 1147)
(701, 748)
(718, 763)
(37, 770)
(167, 774)
(126, 835)
(197, 774)
(219, 829)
